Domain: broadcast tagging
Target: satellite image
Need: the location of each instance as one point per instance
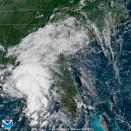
(65, 65)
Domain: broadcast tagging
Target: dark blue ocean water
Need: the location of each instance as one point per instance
(12, 107)
(108, 79)
(129, 7)
(103, 81)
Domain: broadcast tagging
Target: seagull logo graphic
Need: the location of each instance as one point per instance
(7, 122)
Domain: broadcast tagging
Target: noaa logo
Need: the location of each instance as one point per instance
(7, 122)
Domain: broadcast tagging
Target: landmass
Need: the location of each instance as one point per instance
(21, 17)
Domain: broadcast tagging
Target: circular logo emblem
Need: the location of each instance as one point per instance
(7, 122)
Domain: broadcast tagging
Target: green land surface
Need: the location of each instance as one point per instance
(66, 83)
(18, 18)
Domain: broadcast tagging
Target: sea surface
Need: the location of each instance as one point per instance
(107, 76)
(102, 71)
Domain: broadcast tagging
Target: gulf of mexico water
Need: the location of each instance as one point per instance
(104, 84)
(102, 73)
